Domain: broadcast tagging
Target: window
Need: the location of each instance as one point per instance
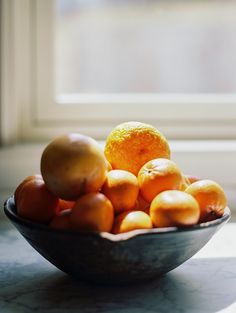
(88, 65)
(46, 92)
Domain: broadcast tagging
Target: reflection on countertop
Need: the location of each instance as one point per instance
(205, 283)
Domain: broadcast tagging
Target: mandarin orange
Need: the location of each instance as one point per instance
(92, 212)
(211, 198)
(174, 208)
(158, 175)
(35, 202)
(121, 187)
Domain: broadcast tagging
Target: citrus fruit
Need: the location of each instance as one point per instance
(130, 145)
(158, 175)
(35, 202)
(211, 198)
(92, 212)
(72, 165)
(174, 208)
(121, 187)
(131, 220)
(19, 187)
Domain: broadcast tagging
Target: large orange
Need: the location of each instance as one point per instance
(174, 208)
(121, 187)
(211, 198)
(92, 212)
(158, 175)
(72, 165)
(130, 145)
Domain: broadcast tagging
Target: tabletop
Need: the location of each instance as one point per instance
(206, 283)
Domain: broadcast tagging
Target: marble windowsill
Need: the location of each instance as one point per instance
(204, 284)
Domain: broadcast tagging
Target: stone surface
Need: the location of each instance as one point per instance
(206, 283)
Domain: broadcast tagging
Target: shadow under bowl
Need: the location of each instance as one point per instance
(105, 258)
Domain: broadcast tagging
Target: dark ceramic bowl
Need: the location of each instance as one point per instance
(125, 258)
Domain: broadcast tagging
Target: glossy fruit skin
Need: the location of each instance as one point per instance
(28, 178)
(35, 202)
(61, 220)
(210, 197)
(158, 175)
(92, 212)
(72, 165)
(174, 208)
(131, 220)
(131, 144)
(121, 187)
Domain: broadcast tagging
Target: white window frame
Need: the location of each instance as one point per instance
(36, 114)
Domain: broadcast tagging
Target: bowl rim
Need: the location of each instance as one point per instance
(9, 210)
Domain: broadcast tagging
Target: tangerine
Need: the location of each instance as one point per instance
(174, 208)
(158, 175)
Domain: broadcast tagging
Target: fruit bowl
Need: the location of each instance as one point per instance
(104, 258)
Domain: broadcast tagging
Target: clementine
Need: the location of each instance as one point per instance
(211, 198)
(158, 175)
(35, 202)
(121, 187)
(92, 212)
(174, 208)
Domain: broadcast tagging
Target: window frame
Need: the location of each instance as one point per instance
(35, 114)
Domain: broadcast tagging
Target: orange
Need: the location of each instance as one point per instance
(35, 202)
(174, 208)
(18, 189)
(61, 220)
(131, 220)
(72, 165)
(130, 145)
(158, 175)
(121, 187)
(211, 198)
(92, 212)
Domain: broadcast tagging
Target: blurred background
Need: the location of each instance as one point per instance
(145, 46)
(82, 49)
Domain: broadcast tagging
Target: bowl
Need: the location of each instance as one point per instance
(105, 258)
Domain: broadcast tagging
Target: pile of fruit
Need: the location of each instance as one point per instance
(132, 184)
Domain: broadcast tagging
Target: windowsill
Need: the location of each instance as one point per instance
(202, 158)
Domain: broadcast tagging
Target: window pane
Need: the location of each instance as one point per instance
(110, 46)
